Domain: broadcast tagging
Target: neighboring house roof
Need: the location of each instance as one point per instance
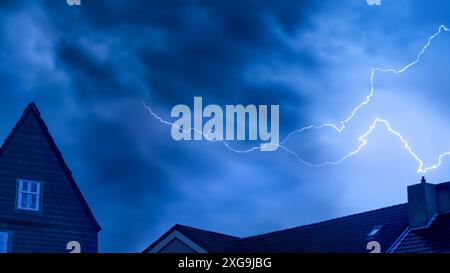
(33, 110)
(345, 234)
(210, 241)
(433, 238)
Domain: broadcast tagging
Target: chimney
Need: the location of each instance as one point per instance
(425, 200)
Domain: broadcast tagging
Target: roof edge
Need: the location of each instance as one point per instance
(182, 229)
(176, 227)
(325, 221)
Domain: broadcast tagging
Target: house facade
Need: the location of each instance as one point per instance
(420, 226)
(41, 206)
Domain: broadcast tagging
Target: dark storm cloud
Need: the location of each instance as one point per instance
(92, 79)
(206, 47)
(107, 54)
(164, 53)
(7, 5)
(128, 163)
(211, 54)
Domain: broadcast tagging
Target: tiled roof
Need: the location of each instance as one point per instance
(434, 238)
(345, 234)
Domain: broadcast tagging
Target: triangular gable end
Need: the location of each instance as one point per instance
(32, 109)
(175, 233)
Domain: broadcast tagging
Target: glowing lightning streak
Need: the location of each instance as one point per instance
(367, 100)
(208, 135)
(362, 139)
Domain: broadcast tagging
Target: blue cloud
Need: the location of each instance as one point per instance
(89, 67)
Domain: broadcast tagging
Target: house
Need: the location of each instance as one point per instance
(421, 225)
(41, 207)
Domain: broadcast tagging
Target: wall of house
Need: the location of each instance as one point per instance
(62, 217)
(32, 238)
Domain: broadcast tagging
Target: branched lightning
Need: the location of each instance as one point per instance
(363, 139)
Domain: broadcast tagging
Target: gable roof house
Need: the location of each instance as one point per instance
(421, 225)
(41, 207)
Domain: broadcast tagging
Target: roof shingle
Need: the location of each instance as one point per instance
(434, 238)
(345, 234)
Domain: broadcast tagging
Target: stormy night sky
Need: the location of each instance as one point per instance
(89, 68)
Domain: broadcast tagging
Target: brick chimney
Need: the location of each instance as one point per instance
(425, 200)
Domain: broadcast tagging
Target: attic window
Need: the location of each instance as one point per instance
(374, 231)
(28, 195)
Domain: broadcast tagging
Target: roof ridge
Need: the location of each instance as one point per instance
(205, 230)
(325, 221)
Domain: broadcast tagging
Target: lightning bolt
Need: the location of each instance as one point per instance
(210, 135)
(363, 139)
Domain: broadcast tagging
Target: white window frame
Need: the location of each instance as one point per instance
(28, 193)
(8, 236)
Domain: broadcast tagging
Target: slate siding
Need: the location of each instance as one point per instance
(28, 153)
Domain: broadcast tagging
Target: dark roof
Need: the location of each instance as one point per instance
(434, 238)
(210, 241)
(345, 234)
(33, 110)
